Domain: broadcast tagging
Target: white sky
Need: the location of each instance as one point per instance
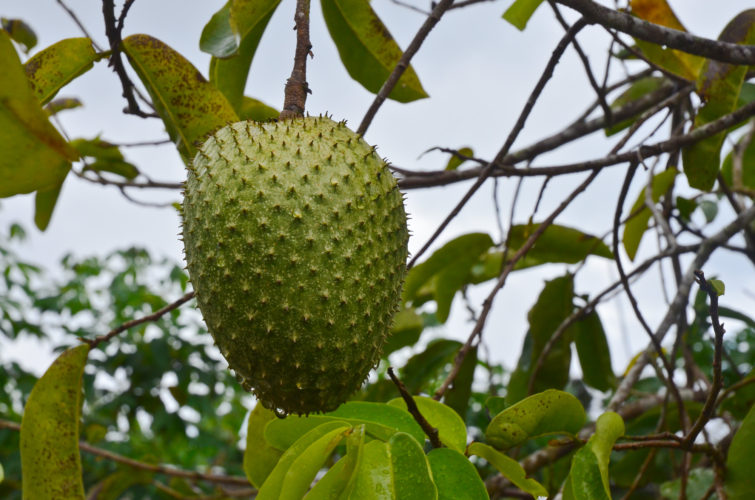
(478, 70)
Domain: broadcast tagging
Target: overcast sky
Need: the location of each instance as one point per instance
(478, 70)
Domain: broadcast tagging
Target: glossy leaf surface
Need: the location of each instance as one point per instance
(272, 487)
(455, 476)
(451, 428)
(246, 20)
(548, 412)
(367, 49)
(509, 468)
(259, 457)
(50, 430)
(339, 481)
(588, 478)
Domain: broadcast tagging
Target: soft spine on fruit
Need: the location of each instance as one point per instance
(296, 242)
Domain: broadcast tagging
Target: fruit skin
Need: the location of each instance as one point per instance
(296, 243)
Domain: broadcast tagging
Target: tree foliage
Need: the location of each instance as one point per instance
(138, 403)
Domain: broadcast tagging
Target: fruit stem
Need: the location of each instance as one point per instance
(296, 86)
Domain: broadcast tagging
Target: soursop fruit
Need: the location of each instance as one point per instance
(296, 242)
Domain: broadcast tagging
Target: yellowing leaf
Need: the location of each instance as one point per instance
(35, 156)
(20, 32)
(367, 49)
(680, 63)
(50, 459)
(520, 12)
(52, 68)
(190, 106)
(740, 481)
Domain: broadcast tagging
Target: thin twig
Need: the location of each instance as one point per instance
(686, 42)
(486, 171)
(135, 322)
(78, 22)
(403, 63)
(715, 387)
(159, 469)
(411, 405)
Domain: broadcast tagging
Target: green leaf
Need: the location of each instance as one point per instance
(259, 457)
(339, 481)
(368, 51)
(2, 473)
(50, 430)
(455, 162)
(406, 329)
(304, 468)
(740, 481)
(588, 478)
(451, 428)
(636, 91)
(685, 207)
(44, 204)
(122, 168)
(718, 286)
(553, 306)
(637, 224)
(380, 420)
(710, 210)
(115, 485)
(594, 354)
(218, 38)
(558, 244)
(247, 20)
(457, 396)
(548, 412)
(495, 404)
(449, 268)
(108, 158)
(320, 435)
(252, 109)
(54, 67)
(398, 470)
(719, 85)
(509, 468)
(455, 476)
(190, 107)
(35, 156)
(520, 12)
(20, 32)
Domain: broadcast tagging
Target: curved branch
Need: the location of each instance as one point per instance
(721, 51)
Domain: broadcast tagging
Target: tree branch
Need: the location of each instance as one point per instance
(294, 103)
(712, 49)
(411, 405)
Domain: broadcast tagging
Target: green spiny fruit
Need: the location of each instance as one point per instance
(296, 242)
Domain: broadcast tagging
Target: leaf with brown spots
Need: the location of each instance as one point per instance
(719, 86)
(50, 458)
(367, 49)
(548, 412)
(35, 156)
(49, 70)
(190, 106)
